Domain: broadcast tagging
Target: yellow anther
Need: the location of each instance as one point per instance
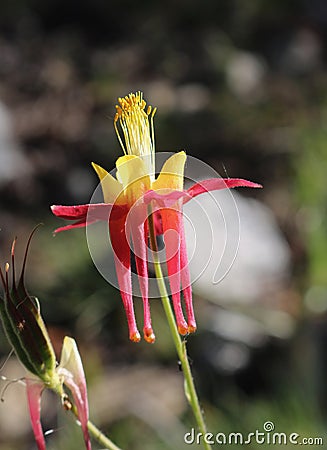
(136, 134)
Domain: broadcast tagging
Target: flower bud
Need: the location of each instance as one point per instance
(23, 324)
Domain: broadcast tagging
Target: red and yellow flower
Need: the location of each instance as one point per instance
(127, 197)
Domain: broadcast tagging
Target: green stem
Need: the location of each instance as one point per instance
(180, 344)
(100, 437)
(94, 431)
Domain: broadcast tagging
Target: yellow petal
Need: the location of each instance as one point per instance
(132, 172)
(172, 173)
(111, 188)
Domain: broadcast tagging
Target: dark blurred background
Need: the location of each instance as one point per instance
(240, 85)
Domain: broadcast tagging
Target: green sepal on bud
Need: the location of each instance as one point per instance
(23, 324)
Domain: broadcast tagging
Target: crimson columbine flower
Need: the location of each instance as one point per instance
(26, 332)
(130, 192)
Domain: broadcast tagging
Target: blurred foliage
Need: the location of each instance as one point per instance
(311, 166)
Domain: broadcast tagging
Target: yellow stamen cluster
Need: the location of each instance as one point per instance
(136, 122)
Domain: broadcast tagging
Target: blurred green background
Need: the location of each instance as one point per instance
(242, 85)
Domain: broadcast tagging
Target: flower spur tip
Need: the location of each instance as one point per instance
(183, 329)
(149, 335)
(191, 329)
(135, 336)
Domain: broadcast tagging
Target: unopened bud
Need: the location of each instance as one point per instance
(23, 323)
